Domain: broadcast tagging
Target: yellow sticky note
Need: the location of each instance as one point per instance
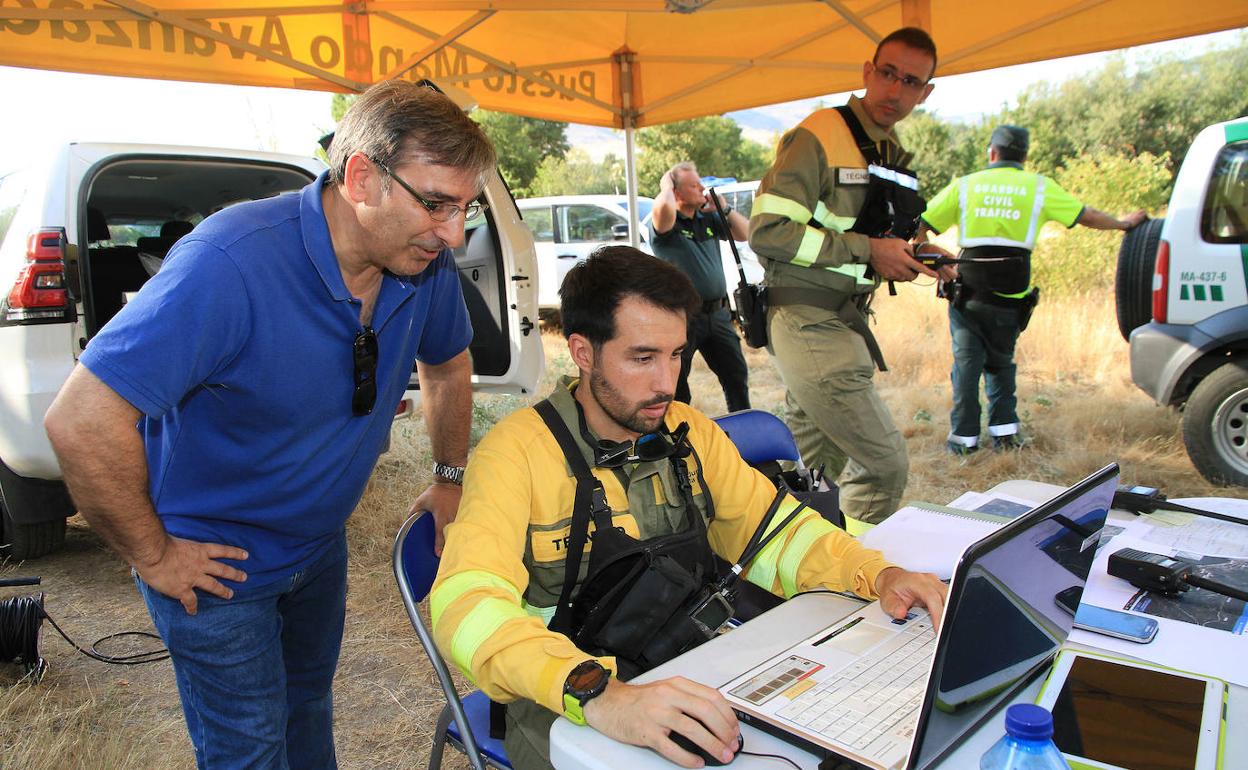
(798, 688)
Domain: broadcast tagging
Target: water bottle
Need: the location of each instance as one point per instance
(1027, 743)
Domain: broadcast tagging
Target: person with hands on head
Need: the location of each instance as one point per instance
(263, 366)
(685, 230)
(999, 212)
(518, 610)
(833, 218)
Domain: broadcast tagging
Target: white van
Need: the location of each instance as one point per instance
(1182, 300)
(567, 228)
(73, 233)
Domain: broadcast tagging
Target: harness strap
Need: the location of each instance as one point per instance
(846, 309)
(867, 146)
(869, 149)
(590, 502)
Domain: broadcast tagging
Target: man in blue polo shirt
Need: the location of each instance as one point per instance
(263, 365)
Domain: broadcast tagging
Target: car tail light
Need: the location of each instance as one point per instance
(1161, 282)
(39, 294)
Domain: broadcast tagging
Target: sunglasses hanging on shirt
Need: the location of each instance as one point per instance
(645, 449)
(364, 360)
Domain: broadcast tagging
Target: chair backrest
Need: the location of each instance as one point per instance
(760, 436)
(415, 567)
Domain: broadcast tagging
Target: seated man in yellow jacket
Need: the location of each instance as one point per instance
(663, 475)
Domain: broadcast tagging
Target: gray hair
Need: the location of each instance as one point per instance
(684, 165)
(397, 121)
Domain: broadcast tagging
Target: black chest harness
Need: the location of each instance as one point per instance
(891, 209)
(636, 598)
(646, 601)
(893, 205)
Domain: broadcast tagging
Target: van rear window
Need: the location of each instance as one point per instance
(1225, 215)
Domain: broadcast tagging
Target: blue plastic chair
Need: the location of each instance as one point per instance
(764, 441)
(760, 437)
(465, 723)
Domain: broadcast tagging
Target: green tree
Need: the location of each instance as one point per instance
(1156, 108)
(1083, 259)
(577, 174)
(339, 105)
(714, 144)
(943, 151)
(522, 145)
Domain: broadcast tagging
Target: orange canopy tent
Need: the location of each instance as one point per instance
(621, 63)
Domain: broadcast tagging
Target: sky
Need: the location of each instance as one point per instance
(45, 109)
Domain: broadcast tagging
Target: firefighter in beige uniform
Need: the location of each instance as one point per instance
(812, 224)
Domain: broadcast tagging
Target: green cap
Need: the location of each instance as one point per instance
(1010, 137)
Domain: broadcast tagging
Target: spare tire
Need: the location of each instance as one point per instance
(1133, 287)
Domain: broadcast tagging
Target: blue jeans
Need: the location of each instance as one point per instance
(255, 672)
(984, 336)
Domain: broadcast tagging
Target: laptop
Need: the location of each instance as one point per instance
(891, 694)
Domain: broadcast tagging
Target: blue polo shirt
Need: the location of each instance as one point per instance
(239, 355)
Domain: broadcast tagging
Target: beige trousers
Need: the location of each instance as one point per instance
(836, 415)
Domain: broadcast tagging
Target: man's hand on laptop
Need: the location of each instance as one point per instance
(646, 714)
(901, 589)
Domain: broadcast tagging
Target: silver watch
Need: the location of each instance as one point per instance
(451, 473)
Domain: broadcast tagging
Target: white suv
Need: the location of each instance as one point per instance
(567, 228)
(83, 231)
(1187, 274)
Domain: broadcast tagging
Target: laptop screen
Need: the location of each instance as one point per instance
(1002, 620)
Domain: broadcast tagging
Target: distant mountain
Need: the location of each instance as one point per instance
(595, 140)
(762, 125)
(758, 119)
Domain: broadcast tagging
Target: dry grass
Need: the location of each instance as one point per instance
(1076, 402)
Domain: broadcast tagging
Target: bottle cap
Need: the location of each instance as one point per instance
(1029, 722)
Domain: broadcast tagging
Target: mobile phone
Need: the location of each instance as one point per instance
(1121, 625)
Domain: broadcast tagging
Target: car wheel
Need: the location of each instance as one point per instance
(1133, 285)
(1215, 425)
(29, 541)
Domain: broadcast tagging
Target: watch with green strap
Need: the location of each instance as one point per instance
(584, 683)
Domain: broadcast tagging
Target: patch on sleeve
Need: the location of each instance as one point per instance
(852, 176)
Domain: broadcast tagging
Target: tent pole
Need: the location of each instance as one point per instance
(624, 63)
(630, 174)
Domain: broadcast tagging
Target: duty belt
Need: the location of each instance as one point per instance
(844, 305)
(711, 305)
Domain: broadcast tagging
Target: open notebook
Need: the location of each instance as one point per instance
(929, 538)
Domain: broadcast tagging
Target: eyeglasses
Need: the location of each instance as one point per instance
(364, 357)
(646, 449)
(438, 211)
(890, 76)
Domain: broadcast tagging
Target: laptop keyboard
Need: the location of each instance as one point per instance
(870, 704)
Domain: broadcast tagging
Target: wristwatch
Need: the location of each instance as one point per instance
(584, 683)
(451, 473)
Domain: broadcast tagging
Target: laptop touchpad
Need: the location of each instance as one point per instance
(856, 637)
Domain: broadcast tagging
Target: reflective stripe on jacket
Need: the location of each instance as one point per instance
(1002, 205)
